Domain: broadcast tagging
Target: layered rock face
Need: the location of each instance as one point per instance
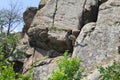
(98, 43)
(56, 25)
(59, 17)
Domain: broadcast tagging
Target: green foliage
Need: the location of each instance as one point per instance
(8, 46)
(24, 77)
(7, 73)
(55, 28)
(8, 49)
(69, 69)
(110, 72)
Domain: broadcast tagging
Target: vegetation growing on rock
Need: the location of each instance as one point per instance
(69, 69)
(110, 72)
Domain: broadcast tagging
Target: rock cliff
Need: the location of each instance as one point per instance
(98, 43)
(89, 29)
(49, 27)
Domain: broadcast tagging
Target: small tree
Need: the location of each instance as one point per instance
(10, 18)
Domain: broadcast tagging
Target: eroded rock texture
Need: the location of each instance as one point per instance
(58, 16)
(28, 16)
(57, 24)
(98, 43)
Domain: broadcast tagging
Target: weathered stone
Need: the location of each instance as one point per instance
(66, 14)
(42, 62)
(40, 38)
(57, 24)
(33, 55)
(37, 34)
(28, 16)
(44, 72)
(90, 11)
(42, 3)
(38, 57)
(59, 15)
(102, 1)
(97, 43)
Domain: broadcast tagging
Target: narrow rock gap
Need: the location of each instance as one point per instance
(81, 18)
(55, 12)
(91, 15)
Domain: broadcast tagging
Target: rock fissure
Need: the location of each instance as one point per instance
(89, 12)
(54, 13)
(102, 42)
(85, 30)
(81, 18)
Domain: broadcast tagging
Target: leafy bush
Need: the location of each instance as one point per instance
(110, 72)
(8, 46)
(69, 69)
(7, 73)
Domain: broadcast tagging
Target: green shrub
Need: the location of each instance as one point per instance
(68, 69)
(110, 72)
(8, 46)
(7, 73)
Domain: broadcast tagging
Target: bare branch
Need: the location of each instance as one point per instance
(11, 16)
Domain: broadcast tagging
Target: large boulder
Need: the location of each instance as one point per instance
(40, 38)
(28, 16)
(56, 25)
(57, 13)
(66, 13)
(44, 70)
(58, 16)
(99, 43)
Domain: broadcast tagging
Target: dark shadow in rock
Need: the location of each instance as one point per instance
(17, 67)
(90, 14)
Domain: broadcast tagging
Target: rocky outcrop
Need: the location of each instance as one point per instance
(56, 25)
(57, 16)
(28, 16)
(44, 72)
(57, 13)
(42, 3)
(98, 43)
(40, 38)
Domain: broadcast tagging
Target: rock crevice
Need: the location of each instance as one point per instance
(88, 28)
(54, 13)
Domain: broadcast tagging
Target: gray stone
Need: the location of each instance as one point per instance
(40, 38)
(42, 3)
(90, 11)
(57, 24)
(66, 13)
(44, 72)
(98, 43)
(28, 16)
(58, 12)
(57, 16)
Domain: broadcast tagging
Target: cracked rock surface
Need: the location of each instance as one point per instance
(100, 46)
(97, 21)
(58, 16)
